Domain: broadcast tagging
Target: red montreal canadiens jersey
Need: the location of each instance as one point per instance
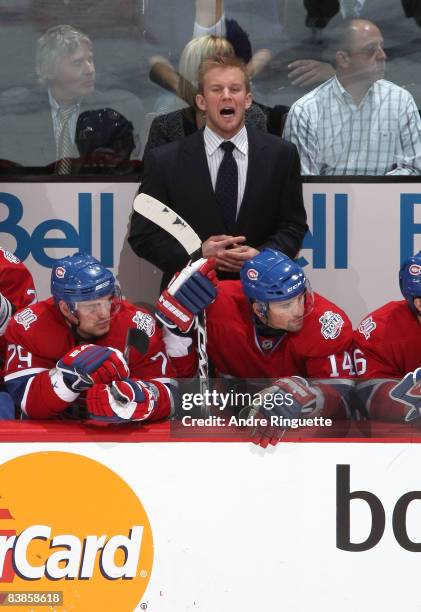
(390, 340)
(319, 350)
(38, 337)
(16, 285)
(16, 282)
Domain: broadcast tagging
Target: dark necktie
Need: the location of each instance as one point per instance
(226, 188)
(65, 149)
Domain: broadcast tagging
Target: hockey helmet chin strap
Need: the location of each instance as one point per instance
(263, 329)
(78, 338)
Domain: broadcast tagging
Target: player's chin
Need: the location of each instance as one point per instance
(296, 325)
(101, 328)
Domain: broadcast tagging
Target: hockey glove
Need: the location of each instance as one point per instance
(122, 400)
(6, 311)
(88, 364)
(287, 398)
(408, 391)
(190, 292)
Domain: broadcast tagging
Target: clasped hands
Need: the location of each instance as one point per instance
(230, 252)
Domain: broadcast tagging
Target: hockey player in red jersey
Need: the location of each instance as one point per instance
(270, 325)
(16, 291)
(68, 351)
(388, 352)
(16, 287)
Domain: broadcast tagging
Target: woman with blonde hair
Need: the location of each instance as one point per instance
(198, 49)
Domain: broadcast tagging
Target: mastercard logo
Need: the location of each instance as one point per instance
(70, 524)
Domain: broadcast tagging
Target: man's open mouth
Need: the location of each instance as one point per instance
(227, 111)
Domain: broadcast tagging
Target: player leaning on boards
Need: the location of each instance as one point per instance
(271, 325)
(16, 291)
(388, 353)
(65, 354)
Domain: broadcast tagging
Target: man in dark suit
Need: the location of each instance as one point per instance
(268, 209)
(64, 117)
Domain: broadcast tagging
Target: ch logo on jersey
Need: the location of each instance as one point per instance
(331, 324)
(367, 327)
(9, 256)
(415, 269)
(145, 322)
(25, 318)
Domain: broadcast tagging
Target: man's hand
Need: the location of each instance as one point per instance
(122, 400)
(215, 245)
(188, 293)
(232, 260)
(307, 72)
(408, 391)
(88, 364)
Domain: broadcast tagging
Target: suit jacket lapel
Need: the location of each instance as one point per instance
(47, 142)
(255, 172)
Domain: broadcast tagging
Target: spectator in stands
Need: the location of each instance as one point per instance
(357, 123)
(169, 27)
(64, 124)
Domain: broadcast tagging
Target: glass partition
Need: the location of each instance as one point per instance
(119, 65)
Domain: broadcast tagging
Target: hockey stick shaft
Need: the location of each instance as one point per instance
(138, 339)
(170, 221)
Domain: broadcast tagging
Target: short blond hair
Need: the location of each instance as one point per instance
(198, 49)
(222, 62)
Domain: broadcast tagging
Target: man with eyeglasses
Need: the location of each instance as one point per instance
(69, 355)
(357, 123)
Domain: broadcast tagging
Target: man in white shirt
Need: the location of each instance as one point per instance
(357, 123)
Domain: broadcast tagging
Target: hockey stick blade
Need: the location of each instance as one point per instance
(169, 220)
(138, 339)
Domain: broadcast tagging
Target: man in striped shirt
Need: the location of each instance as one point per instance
(357, 123)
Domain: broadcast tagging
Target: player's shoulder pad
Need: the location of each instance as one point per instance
(36, 321)
(327, 329)
(230, 296)
(374, 327)
(7, 258)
